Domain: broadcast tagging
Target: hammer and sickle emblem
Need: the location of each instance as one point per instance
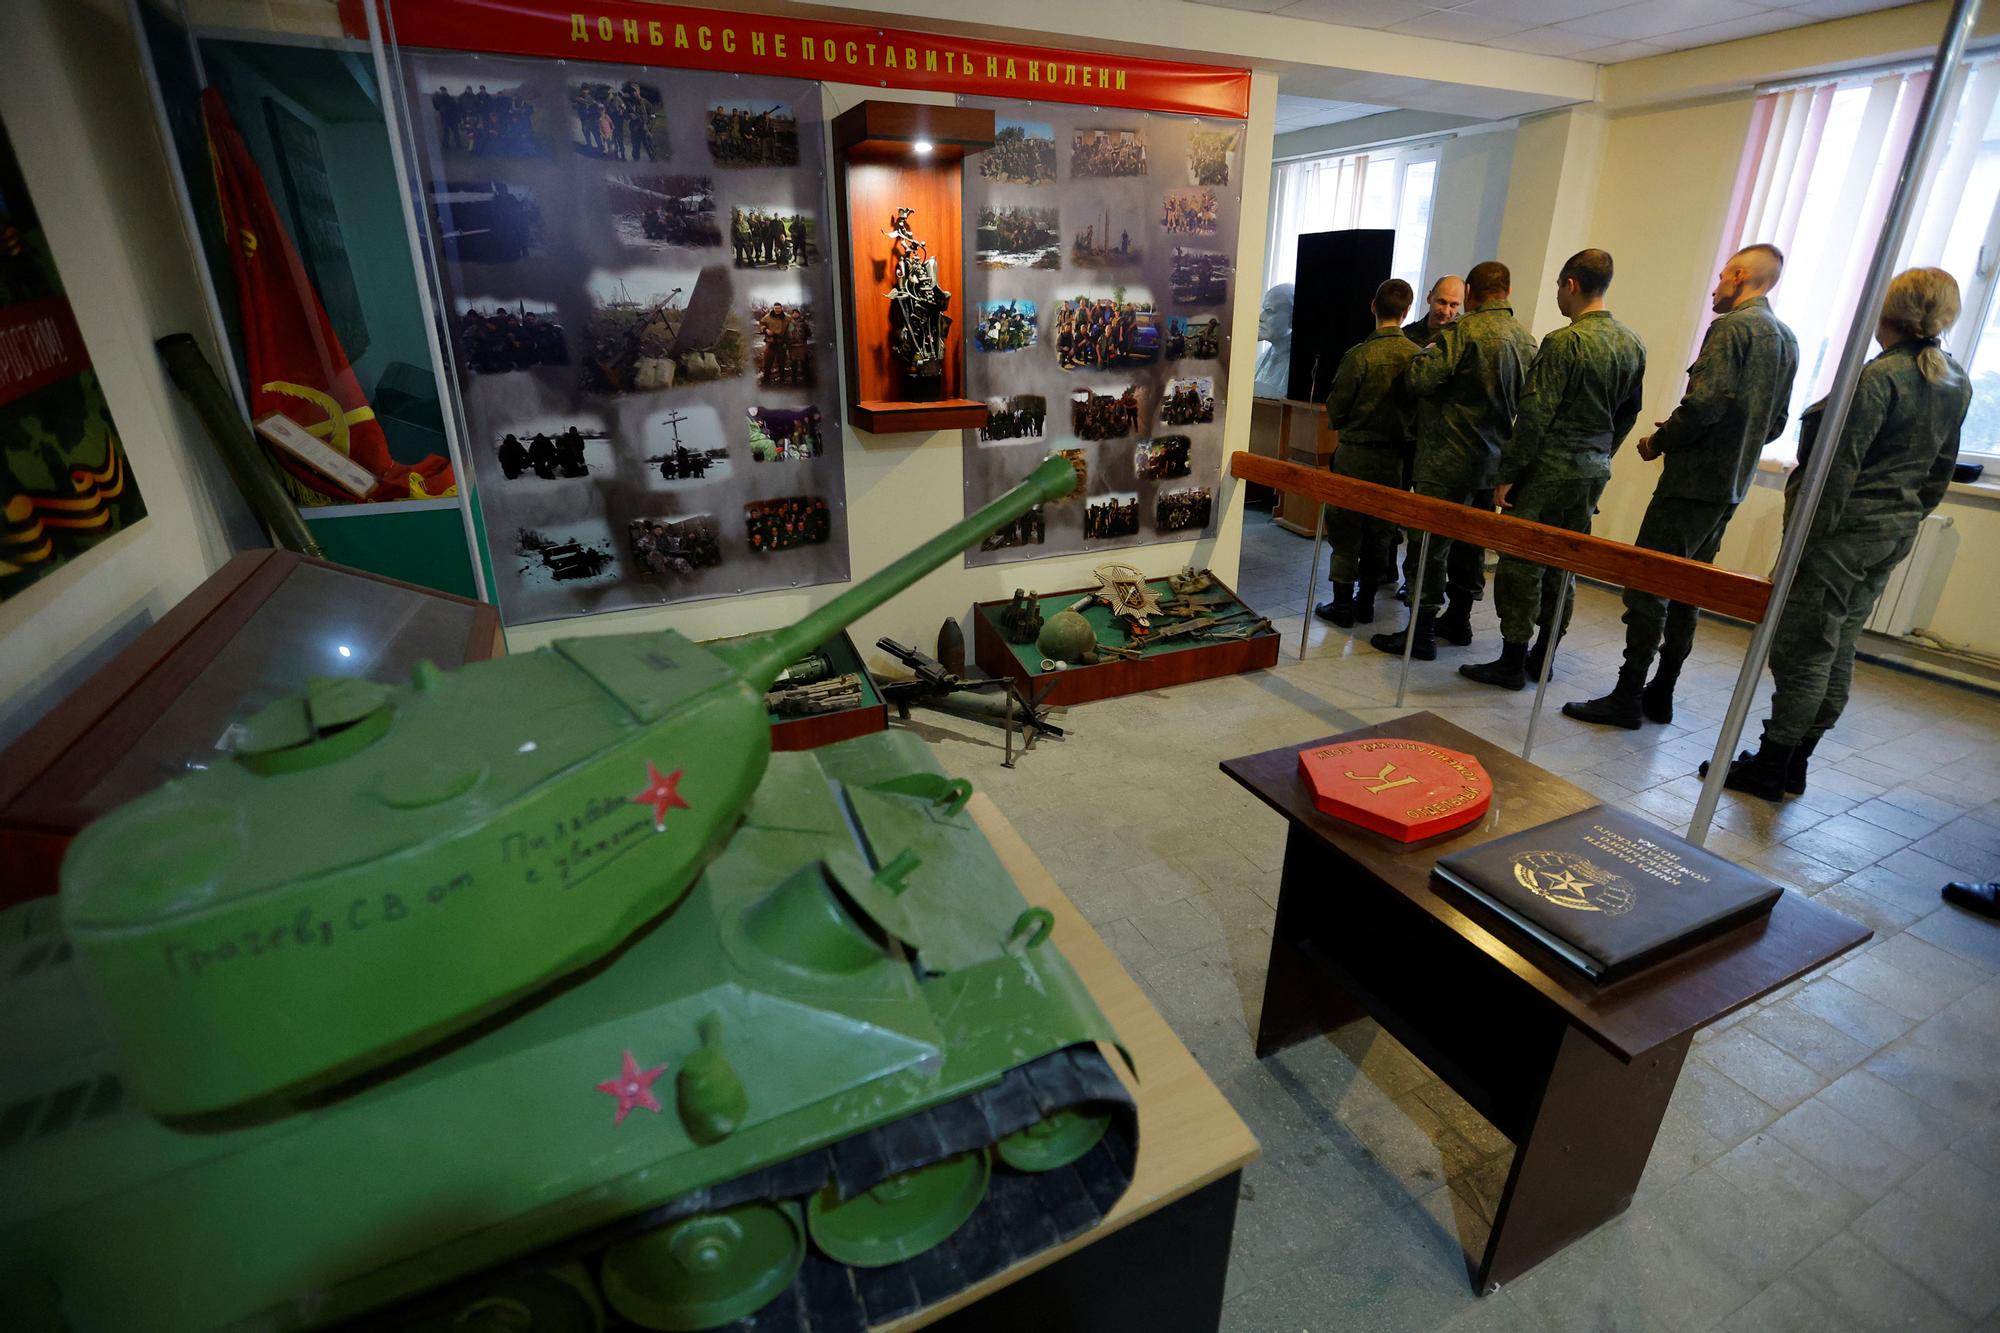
(334, 428)
(1380, 782)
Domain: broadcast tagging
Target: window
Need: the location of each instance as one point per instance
(1815, 181)
(1383, 188)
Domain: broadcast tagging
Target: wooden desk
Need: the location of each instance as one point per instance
(1577, 1075)
(1158, 1259)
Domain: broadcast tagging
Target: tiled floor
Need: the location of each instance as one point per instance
(1831, 1159)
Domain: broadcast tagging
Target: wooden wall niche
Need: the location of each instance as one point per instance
(880, 169)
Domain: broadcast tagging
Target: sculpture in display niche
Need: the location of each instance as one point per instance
(917, 305)
(742, 1019)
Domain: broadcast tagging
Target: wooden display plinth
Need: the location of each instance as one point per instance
(1170, 663)
(1303, 438)
(890, 156)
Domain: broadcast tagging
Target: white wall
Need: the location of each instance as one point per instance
(901, 488)
(1473, 171)
(75, 107)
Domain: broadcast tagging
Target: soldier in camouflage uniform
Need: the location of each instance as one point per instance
(1738, 395)
(1890, 468)
(1582, 397)
(1467, 383)
(1371, 406)
(1445, 303)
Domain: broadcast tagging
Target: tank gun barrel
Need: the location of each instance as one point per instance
(761, 657)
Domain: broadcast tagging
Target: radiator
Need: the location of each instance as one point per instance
(1896, 612)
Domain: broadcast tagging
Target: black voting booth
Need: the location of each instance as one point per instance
(1338, 272)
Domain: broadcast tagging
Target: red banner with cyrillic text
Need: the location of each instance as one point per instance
(626, 32)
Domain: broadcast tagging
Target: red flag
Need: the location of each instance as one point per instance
(296, 364)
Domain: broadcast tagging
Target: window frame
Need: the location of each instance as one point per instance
(1399, 156)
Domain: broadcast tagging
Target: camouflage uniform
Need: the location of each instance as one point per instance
(1739, 392)
(1371, 406)
(1421, 331)
(1466, 384)
(1893, 464)
(1581, 399)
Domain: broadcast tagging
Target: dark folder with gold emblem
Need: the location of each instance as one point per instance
(1608, 891)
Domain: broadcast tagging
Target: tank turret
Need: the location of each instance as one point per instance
(379, 868)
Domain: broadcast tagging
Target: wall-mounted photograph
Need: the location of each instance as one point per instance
(486, 222)
(1013, 237)
(516, 335)
(657, 211)
(772, 237)
(619, 122)
(1005, 326)
(1023, 153)
(1020, 416)
(786, 523)
(659, 329)
(1106, 331)
(673, 548)
(482, 122)
(1194, 212)
(1107, 152)
(785, 434)
(742, 134)
(1177, 511)
(1108, 516)
(553, 450)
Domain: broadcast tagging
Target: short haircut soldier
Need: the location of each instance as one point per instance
(1591, 270)
(1392, 299)
(1489, 278)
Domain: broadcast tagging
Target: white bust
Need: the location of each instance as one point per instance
(1274, 351)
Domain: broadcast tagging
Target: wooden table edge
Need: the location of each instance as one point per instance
(1175, 1086)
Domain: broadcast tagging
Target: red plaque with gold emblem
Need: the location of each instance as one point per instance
(1403, 789)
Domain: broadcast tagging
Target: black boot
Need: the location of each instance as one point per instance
(1657, 700)
(1455, 625)
(1364, 605)
(1425, 649)
(1761, 774)
(1620, 708)
(1509, 672)
(1795, 772)
(1533, 666)
(1341, 609)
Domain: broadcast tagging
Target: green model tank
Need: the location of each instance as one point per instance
(541, 995)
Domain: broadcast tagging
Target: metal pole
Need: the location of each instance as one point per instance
(1416, 599)
(1312, 582)
(1554, 634)
(1947, 74)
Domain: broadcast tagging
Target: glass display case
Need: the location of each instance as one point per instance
(171, 702)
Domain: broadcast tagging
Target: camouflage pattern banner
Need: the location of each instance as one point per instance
(1100, 265)
(66, 486)
(634, 272)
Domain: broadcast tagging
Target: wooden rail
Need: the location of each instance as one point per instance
(1744, 596)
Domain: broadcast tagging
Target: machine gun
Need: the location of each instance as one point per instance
(936, 686)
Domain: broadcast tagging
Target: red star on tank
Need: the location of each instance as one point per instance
(633, 1087)
(662, 792)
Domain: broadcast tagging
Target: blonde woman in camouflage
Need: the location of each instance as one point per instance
(1890, 468)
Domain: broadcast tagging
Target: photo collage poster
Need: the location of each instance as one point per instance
(1100, 248)
(637, 290)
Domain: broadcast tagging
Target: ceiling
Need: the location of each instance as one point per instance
(1302, 113)
(1600, 31)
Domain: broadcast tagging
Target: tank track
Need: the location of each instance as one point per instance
(1022, 1214)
